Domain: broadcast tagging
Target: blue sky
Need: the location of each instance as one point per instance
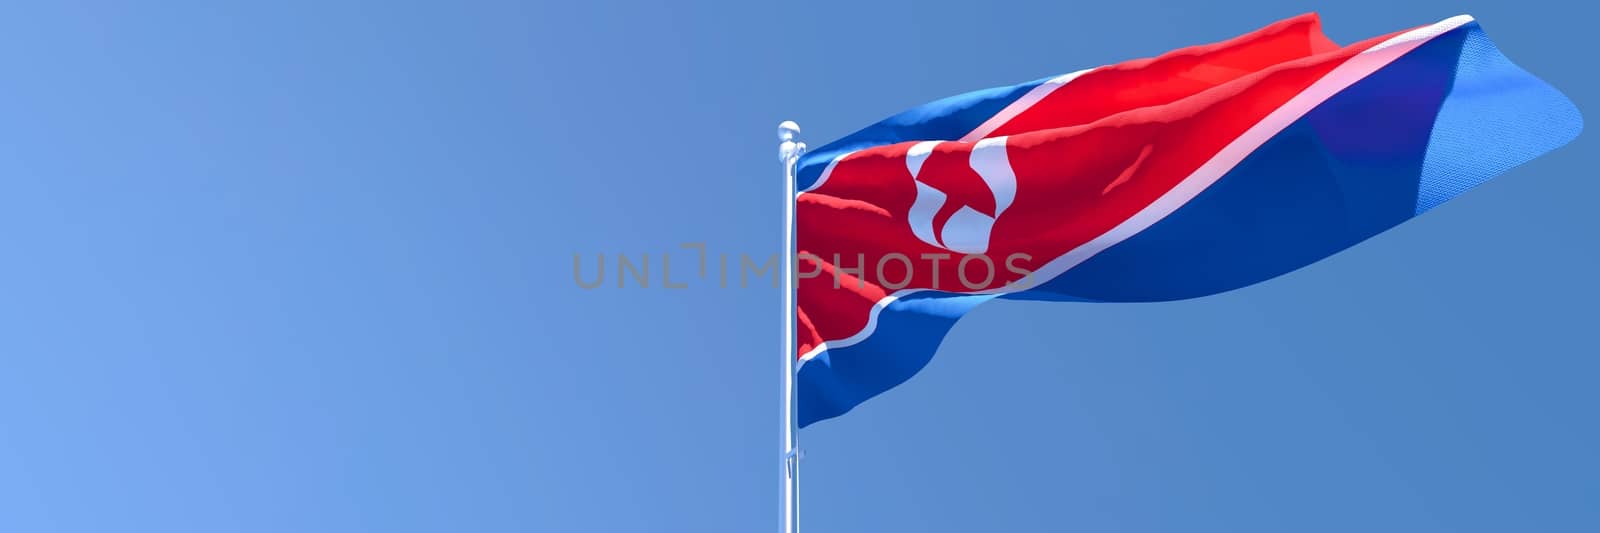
(306, 266)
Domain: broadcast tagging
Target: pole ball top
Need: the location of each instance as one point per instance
(788, 130)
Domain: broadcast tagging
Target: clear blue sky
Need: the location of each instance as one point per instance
(306, 266)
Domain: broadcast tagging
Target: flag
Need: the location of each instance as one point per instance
(1199, 171)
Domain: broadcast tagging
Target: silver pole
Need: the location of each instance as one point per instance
(789, 151)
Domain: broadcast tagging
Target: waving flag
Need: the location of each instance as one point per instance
(1200, 171)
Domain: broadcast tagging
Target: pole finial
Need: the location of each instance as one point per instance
(789, 149)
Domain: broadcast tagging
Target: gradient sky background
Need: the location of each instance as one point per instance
(306, 266)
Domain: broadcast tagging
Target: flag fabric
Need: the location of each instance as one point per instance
(1196, 172)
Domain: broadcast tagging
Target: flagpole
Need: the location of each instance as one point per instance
(789, 151)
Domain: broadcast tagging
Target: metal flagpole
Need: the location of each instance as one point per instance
(789, 151)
